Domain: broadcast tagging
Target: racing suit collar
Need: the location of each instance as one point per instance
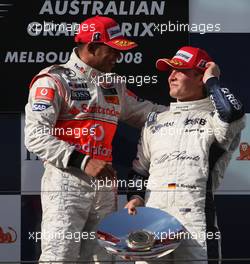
(81, 68)
(203, 104)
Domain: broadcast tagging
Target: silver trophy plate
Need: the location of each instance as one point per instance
(151, 233)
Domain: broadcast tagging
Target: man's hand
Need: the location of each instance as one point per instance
(132, 204)
(212, 70)
(100, 169)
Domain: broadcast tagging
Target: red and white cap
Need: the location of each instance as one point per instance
(101, 29)
(186, 58)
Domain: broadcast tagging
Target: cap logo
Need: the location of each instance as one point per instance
(176, 63)
(96, 36)
(124, 43)
(183, 55)
(202, 64)
(114, 32)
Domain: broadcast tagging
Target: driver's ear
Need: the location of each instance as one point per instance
(201, 79)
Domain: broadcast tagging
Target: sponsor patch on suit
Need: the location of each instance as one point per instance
(45, 93)
(80, 95)
(39, 107)
(109, 91)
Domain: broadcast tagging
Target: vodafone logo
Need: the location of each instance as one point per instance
(44, 93)
(99, 132)
(95, 151)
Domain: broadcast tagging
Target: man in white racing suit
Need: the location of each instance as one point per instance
(71, 118)
(184, 152)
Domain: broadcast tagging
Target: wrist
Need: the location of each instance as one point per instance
(211, 83)
(78, 160)
(208, 77)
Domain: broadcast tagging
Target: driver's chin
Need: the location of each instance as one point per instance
(173, 92)
(108, 68)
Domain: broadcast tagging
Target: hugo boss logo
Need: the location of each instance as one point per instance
(80, 95)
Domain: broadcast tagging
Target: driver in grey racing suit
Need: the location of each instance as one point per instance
(71, 118)
(184, 152)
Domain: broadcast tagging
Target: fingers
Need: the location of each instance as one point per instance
(131, 208)
(132, 211)
(213, 67)
(210, 64)
(100, 169)
(212, 70)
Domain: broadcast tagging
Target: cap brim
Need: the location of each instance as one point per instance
(121, 44)
(166, 64)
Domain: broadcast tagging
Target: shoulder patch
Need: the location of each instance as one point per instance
(151, 118)
(45, 93)
(39, 107)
